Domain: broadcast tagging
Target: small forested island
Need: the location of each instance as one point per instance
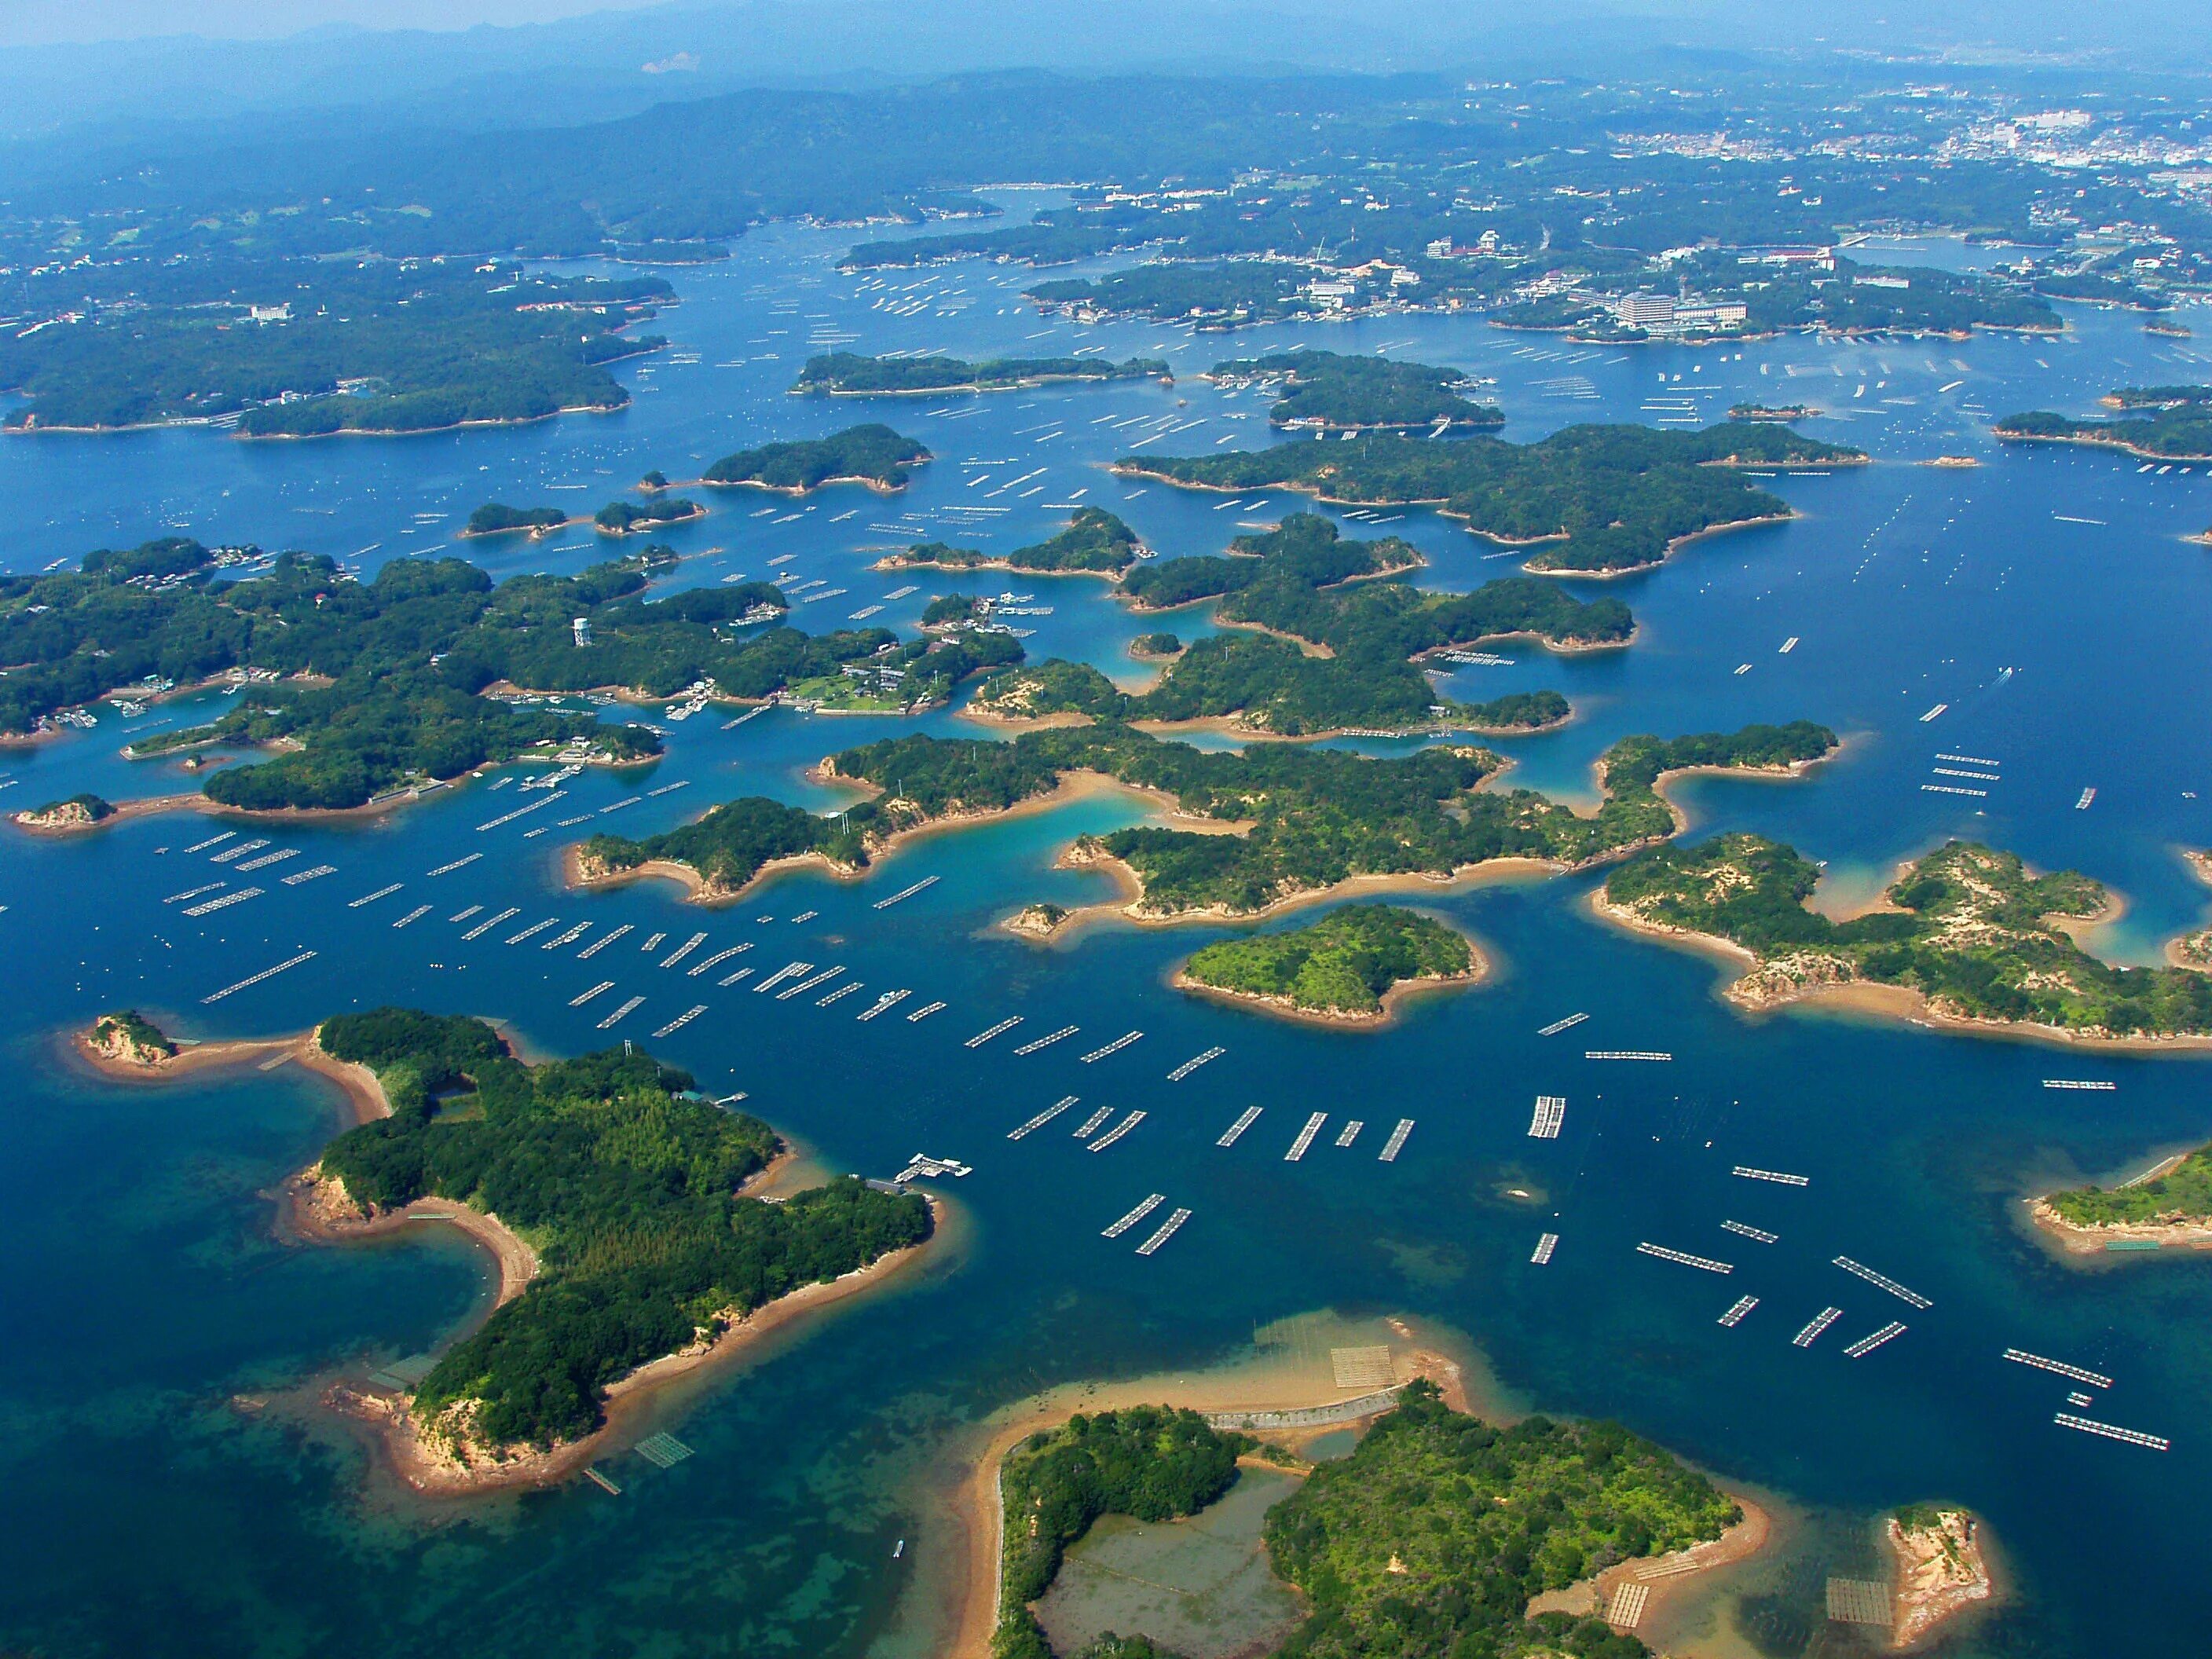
(1967, 928)
(622, 1183)
(1600, 498)
(1347, 968)
(1771, 412)
(1432, 1537)
(309, 347)
(870, 454)
(1095, 543)
(1328, 391)
(131, 1039)
(80, 812)
(2177, 428)
(723, 853)
(1155, 647)
(1334, 649)
(367, 690)
(626, 518)
(850, 374)
(2172, 1201)
(498, 518)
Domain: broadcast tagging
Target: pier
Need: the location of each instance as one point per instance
(924, 1012)
(1774, 1175)
(620, 1011)
(1047, 1040)
(2126, 1436)
(604, 986)
(682, 1019)
(1044, 1118)
(1560, 1025)
(1546, 1244)
(1166, 1232)
(1737, 1309)
(208, 907)
(1306, 1137)
(1702, 1263)
(1113, 1048)
(371, 899)
(1396, 1144)
(1818, 1323)
(1744, 1230)
(1245, 1120)
(1116, 1132)
(889, 999)
(904, 893)
(1882, 1282)
(986, 1034)
(1867, 1344)
(1550, 1112)
(1193, 1063)
(1152, 1202)
(601, 943)
(256, 979)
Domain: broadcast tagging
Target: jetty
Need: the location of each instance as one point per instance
(1306, 1137)
(1866, 1345)
(1245, 1120)
(1882, 1282)
(1193, 1063)
(1702, 1263)
(1152, 1202)
(1044, 1118)
(1167, 1231)
(1550, 1112)
(1737, 1309)
(1116, 1132)
(256, 979)
(1818, 1323)
(1396, 1144)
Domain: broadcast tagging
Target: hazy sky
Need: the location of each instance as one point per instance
(44, 22)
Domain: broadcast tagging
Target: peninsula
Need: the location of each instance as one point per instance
(850, 374)
(870, 454)
(1350, 968)
(2177, 426)
(1967, 934)
(1328, 391)
(2168, 1204)
(1592, 500)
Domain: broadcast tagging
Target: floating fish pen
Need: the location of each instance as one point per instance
(208, 907)
(1089, 1125)
(1545, 1245)
(888, 1000)
(1349, 1132)
(789, 970)
(533, 930)
(194, 892)
(601, 943)
(651, 942)
(682, 1020)
(601, 1482)
(1774, 1175)
(1737, 1309)
(662, 1451)
(1859, 1602)
(600, 989)
(1968, 760)
(1047, 1040)
(1115, 1132)
(1245, 1120)
(1167, 1231)
(728, 980)
(1306, 1137)
(925, 1011)
(490, 922)
(805, 915)
(1702, 1263)
(684, 949)
(1550, 1112)
(381, 892)
(2087, 796)
(239, 851)
(985, 1036)
(448, 869)
(715, 961)
(2048, 1083)
(414, 915)
(569, 938)
(618, 1013)
(1866, 1345)
(2057, 1367)
(839, 994)
(463, 915)
(800, 987)
(1043, 1117)
(1193, 1063)
(212, 841)
(905, 893)
(1396, 1144)
(521, 811)
(1624, 1053)
(1882, 1282)
(1113, 1048)
(2126, 1436)
(268, 858)
(1819, 1322)
(1560, 1025)
(1150, 1203)
(1744, 1230)
(669, 788)
(256, 979)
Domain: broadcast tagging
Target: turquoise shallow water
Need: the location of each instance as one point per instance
(149, 1516)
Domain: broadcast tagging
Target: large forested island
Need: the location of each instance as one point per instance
(1431, 1537)
(1095, 543)
(1332, 649)
(870, 454)
(310, 348)
(1967, 928)
(1598, 499)
(625, 1184)
(1329, 391)
(365, 687)
(1345, 967)
(2167, 423)
(850, 374)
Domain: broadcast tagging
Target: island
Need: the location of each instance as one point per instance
(626, 518)
(1095, 543)
(498, 518)
(720, 855)
(364, 694)
(80, 811)
(1329, 391)
(1942, 1570)
(1037, 921)
(354, 346)
(129, 1038)
(1591, 499)
(850, 374)
(1157, 646)
(2177, 427)
(1773, 412)
(2170, 1203)
(612, 1191)
(1323, 649)
(1438, 1534)
(870, 454)
(1350, 968)
(1966, 936)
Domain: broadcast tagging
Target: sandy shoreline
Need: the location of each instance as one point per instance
(1664, 1576)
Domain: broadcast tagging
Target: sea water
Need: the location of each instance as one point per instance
(174, 1488)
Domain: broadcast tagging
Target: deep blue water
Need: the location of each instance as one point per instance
(145, 1289)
